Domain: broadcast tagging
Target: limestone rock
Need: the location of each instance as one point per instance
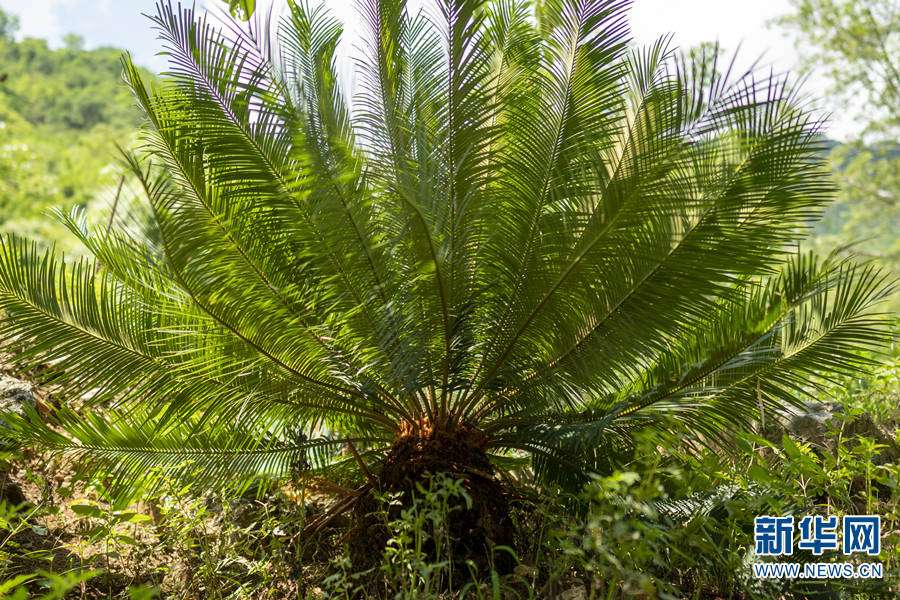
(815, 421)
(576, 593)
(14, 396)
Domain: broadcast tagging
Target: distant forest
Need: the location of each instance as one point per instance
(62, 114)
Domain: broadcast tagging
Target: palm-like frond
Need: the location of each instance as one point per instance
(518, 223)
(123, 447)
(749, 357)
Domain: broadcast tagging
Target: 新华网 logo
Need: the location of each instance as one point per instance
(857, 534)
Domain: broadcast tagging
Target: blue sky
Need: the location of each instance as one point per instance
(101, 22)
(120, 23)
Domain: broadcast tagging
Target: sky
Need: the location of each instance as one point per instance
(733, 24)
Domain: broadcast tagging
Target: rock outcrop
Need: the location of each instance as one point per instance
(816, 423)
(15, 395)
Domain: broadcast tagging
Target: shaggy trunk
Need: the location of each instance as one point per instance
(457, 450)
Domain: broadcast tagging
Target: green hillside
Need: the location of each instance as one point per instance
(62, 112)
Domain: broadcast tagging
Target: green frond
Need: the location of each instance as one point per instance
(132, 449)
(514, 221)
(757, 354)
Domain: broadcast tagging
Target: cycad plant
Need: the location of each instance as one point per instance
(522, 240)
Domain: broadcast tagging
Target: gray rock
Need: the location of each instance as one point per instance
(816, 422)
(808, 423)
(576, 593)
(14, 396)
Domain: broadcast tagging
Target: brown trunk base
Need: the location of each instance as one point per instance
(474, 533)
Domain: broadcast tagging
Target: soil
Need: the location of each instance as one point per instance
(421, 451)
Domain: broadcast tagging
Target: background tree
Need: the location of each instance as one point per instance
(9, 25)
(62, 114)
(525, 243)
(855, 45)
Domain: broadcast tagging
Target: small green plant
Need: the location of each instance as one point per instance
(15, 519)
(634, 540)
(409, 567)
(58, 585)
(226, 546)
(621, 537)
(417, 561)
(798, 479)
